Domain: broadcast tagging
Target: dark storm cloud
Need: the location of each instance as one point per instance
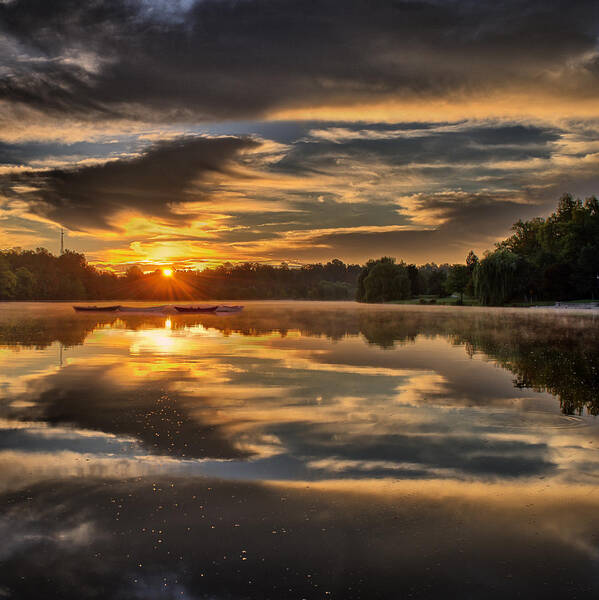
(87, 197)
(223, 59)
(400, 145)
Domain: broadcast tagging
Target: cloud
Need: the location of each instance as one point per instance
(428, 191)
(215, 59)
(152, 183)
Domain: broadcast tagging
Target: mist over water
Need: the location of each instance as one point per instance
(299, 450)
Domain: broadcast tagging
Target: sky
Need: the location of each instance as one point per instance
(193, 132)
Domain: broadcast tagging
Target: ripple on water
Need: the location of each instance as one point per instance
(536, 420)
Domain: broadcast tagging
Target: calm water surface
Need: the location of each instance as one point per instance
(299, 450)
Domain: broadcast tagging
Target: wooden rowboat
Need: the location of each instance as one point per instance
(96, 308)
(144, 309)
(196, 309)
(228, 309)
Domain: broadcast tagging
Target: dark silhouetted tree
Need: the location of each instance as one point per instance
(457, 280)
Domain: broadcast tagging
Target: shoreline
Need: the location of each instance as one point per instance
(589, 309)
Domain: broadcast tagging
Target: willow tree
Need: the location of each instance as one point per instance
(499, 277)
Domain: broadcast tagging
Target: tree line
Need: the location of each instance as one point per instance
(40, 275)
(385, 280)
(556, 258)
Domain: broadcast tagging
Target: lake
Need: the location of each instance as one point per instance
(299, 450)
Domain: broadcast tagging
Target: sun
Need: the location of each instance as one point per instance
(167, 272)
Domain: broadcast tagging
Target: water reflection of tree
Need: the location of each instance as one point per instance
(558, 355)
(566, 368)
(554, 353)
(39, 333)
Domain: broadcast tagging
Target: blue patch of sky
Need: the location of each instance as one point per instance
(284, 132)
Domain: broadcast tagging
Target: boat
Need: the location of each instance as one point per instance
(196, 309)
(228, 309)
(96, 308)
(144, 309)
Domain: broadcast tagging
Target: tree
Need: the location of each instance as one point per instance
(361, 289)
(457, 280)
(8, 281)
(383, 280)
(414, 281)
(25, 286)
(499, 277)
(133, 273)
(471, 261)
(431, 278)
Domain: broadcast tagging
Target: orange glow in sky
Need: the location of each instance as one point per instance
(455, 124)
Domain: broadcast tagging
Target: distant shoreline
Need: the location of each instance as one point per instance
(557, 308)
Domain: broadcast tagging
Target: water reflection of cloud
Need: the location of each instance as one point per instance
(367, 539)
(274, 401)
(305, 457)
(263, 427)
(58, 439)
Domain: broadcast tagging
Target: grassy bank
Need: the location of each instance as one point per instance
(471, 301)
